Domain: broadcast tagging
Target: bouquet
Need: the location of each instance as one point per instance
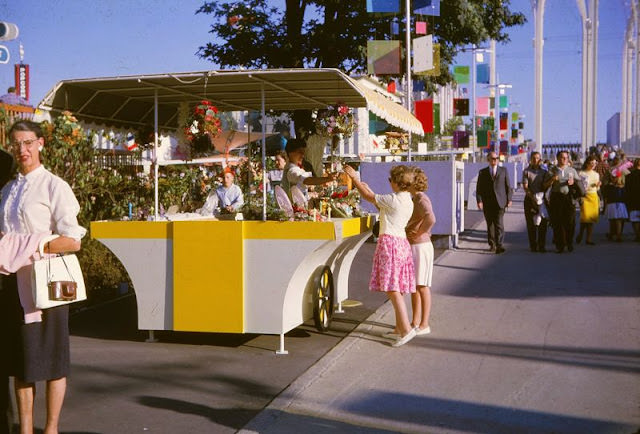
(335, 120)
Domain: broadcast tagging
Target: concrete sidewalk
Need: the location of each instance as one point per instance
(521, 342)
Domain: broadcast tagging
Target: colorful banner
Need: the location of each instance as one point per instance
(418, 86)
(483, 138)
(482, 73)
(423, 54)
(392, 6)
(421, 27)
(461, 107)
(504, 121)
(482, 106)
(424, 113)
(514, 117)
(461, 74)
(504, 101)
(383, 57)
(22, 80)
(521, 125)
(426, 7)
(436, 62)
(514, 134)
(460, 139)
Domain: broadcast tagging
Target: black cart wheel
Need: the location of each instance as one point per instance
(323, 298)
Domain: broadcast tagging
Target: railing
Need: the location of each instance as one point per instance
(11, 114)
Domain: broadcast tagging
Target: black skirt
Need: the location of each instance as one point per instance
(37, 351)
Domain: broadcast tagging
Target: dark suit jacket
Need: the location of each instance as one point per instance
(493, 193)
(7, 166)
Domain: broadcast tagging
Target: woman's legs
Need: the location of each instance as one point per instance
(55, 397)
(402, 320)
(421, 306)
(589, 227)
(581, 233)
(25, 393)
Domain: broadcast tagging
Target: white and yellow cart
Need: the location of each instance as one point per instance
(236, 276)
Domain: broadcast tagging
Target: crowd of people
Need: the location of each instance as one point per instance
(600, 187)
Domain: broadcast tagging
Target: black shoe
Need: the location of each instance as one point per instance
(559, 249)
(578, 239)
(492, 249)
(500, 250)
(590, 243)
(534, 249)
(542, 250)
(570, 248)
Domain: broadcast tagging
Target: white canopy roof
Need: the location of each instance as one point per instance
(129, 100)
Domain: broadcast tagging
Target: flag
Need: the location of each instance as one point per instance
(483, 138)
(424, 113)
(460, 139)
(461, 74)
(383, 57)
(421, 27)
(460, 107)
(492, 103)
(423, 54)
(426, 7)
(436, 62)
(504, 146)
(504, 101)
(514, 134)
(392, 6)
(514, 117)
(504, 121)
(482, 73)
(521, 125)
(482, 106)
(418, 86)
(488, 123)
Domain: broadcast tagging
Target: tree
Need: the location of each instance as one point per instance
(334, 33)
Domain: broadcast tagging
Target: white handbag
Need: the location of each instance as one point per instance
(57, 280)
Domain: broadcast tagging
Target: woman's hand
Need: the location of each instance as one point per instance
(350, 171)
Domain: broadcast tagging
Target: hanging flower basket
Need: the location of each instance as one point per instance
(334, 120)
(396, 142)
(201, 126)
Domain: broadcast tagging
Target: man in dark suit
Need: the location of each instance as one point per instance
(7, 168)
(493, 193)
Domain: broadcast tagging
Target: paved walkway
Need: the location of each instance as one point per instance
(521, 342)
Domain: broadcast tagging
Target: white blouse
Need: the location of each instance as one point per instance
(40, 202)
(395, 212)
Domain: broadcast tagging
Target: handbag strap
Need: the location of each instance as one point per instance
(61, 256)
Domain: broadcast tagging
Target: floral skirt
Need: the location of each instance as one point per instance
(393, 266)
(590, 209)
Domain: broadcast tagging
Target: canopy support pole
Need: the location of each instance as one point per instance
(264, 154)
(155, 152)
(408, 66)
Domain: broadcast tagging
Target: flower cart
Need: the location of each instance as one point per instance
(231, 276)
(236, 276)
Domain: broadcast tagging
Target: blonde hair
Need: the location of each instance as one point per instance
(420, 179)
(402, 176)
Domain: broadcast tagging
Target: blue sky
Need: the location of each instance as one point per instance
(69, 39)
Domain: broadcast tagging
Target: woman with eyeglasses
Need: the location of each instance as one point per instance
(393, 270)
(37, 341)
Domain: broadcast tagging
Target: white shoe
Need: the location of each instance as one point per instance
(422, 332)
(404, 339)
(390, 335)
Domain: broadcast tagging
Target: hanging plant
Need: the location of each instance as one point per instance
(201, 126)
(334, 120)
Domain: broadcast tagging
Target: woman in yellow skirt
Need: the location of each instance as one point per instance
(590, 209)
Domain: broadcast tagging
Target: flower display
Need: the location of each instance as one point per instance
(202, 124)
(396, 142)
(334, 120)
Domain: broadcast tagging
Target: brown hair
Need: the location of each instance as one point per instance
(402, 176)
(420, 180)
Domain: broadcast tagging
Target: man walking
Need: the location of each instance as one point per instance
(535, 210)
(494, 196)
(565, 187)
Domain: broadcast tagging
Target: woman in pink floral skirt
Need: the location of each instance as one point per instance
(393, 271)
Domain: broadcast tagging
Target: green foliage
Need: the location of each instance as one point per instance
(451, 125)
(334, 34)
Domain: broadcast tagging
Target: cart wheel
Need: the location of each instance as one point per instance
(323, 298)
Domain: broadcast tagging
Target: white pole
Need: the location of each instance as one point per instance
(492, 92)
(625, 86)
(155, 152)
(408, 66)
(636, 109)
(264, 153)
(473, 102)
(594, 77)
(538, 14)
(585, 72)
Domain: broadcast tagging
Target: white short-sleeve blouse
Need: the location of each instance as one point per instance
(40, 202)
(395, 212)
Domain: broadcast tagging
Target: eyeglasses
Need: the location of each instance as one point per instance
(493, 158)
(18, 143)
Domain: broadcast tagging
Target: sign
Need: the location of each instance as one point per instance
(22, 80)
(8, 31)
(4, 54)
